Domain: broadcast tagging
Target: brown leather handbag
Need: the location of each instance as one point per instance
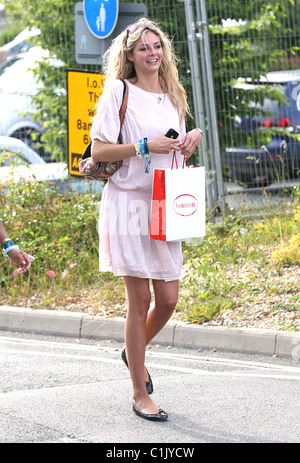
(102, 170)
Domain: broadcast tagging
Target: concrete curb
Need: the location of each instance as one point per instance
(176, 334)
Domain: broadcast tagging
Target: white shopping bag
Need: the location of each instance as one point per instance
(178, 204)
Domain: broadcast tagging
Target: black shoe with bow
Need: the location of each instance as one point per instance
(159, 416)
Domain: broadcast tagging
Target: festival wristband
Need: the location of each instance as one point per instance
(138, 150)
(147, 156)
(146, 147)
(10, 248)
(142, 147)
(147, 164)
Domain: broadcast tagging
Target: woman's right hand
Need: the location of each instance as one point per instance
(162, 144)
(20, 258)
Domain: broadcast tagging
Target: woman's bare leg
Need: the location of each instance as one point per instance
(166, 295)
(138, 297)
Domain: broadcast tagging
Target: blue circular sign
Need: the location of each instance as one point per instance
(101, 16)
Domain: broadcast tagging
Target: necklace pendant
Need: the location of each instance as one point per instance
(159, 99)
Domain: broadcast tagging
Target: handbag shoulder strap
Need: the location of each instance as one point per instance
(87, 152)
(124, 103)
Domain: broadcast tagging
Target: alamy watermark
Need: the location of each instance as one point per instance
(126, 216)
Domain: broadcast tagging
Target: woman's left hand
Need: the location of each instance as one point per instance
(190, 142)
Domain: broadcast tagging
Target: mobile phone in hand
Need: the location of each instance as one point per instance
(171, 133)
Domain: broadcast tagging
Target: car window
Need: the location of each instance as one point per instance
(268, 104)
(22, 47)
(272, 105)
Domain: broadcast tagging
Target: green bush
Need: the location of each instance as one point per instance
(58, 229)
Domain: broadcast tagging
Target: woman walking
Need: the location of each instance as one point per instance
(142, 55)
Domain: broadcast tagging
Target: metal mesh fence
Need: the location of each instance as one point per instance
(56, 26)
(253, 45)
(256, 62)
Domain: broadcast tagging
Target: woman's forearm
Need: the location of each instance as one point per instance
(3, 234)
(109, 152)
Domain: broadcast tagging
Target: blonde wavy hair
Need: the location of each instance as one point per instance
(117, 66)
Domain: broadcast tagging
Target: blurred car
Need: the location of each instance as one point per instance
(20, 44)
(17, 86)
(20, 163)
(280, 158)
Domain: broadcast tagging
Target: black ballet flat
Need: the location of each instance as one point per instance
(149, 384)
(159, 416)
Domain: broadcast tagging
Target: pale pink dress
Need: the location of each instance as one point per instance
(124, 222)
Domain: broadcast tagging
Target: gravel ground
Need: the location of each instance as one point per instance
(261, 314)
(271, 301)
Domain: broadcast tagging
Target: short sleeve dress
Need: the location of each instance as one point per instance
(124, 220)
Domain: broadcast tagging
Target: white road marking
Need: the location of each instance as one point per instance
(197, 360)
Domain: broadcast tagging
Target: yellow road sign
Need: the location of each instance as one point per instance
(84, 90)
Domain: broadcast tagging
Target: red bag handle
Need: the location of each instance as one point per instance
(175, 159)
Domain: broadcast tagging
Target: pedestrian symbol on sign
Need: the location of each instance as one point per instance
(101, 16)
(101, 19)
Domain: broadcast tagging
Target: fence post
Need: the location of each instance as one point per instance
(197, 93)
(205, 118)
(210, 101)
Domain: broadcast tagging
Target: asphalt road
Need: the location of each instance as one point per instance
(64, 390)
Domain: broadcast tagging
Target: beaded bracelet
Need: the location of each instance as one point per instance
(6, 243)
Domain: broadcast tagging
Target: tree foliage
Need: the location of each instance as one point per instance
(56, 21)
(262, 36)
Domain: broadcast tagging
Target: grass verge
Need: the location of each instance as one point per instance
(246, 272)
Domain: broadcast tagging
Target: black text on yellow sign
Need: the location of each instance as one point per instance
(84, 90)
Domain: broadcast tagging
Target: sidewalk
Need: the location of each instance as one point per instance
(176, 334)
